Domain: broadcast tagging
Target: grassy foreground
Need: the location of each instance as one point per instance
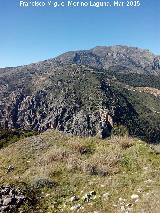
(51, 168)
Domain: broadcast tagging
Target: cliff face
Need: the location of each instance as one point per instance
(77, 92)
(69, 98)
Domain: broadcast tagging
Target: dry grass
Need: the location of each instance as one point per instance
(120, 166)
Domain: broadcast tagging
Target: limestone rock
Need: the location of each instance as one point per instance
(10, 199)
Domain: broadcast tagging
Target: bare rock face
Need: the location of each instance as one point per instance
(71, 93)
(156, 63)
(63, 99)
(10, 199)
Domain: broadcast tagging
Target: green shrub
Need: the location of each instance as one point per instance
(8, 136)
(120, 130)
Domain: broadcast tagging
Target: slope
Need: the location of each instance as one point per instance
(60, 173)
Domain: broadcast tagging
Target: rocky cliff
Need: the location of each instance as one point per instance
(78, 92)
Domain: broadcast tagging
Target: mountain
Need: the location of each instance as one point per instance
(119, 58)
(93, 92)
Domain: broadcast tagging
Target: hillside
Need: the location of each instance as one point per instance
(53, 172)
(73, 133)
(84, 93)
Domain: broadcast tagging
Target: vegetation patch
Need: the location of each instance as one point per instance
(76, 174)
(8, 136)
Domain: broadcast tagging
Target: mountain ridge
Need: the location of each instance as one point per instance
(83, 93)
(89, 50)
(138, 60)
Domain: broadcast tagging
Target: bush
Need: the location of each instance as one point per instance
(120, 130)
(41, 182)
(8, 136)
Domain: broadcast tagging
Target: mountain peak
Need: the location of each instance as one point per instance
(84, 93)
(102, 57)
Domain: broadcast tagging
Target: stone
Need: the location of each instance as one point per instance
(10, 199)
(76, 207)
(89, 196)
(5, 190)
(10, 168)
(20, 199)
(74, 198)
(93, 193)
(134, 197)
(123, 208)
(7, 201)
(4, 209)
(106, 195)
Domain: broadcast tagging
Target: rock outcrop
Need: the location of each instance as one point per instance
(156, 63)
(60, 99)
(10, 199)
(73, 92)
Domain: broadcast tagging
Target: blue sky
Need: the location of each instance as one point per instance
(32, 34)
